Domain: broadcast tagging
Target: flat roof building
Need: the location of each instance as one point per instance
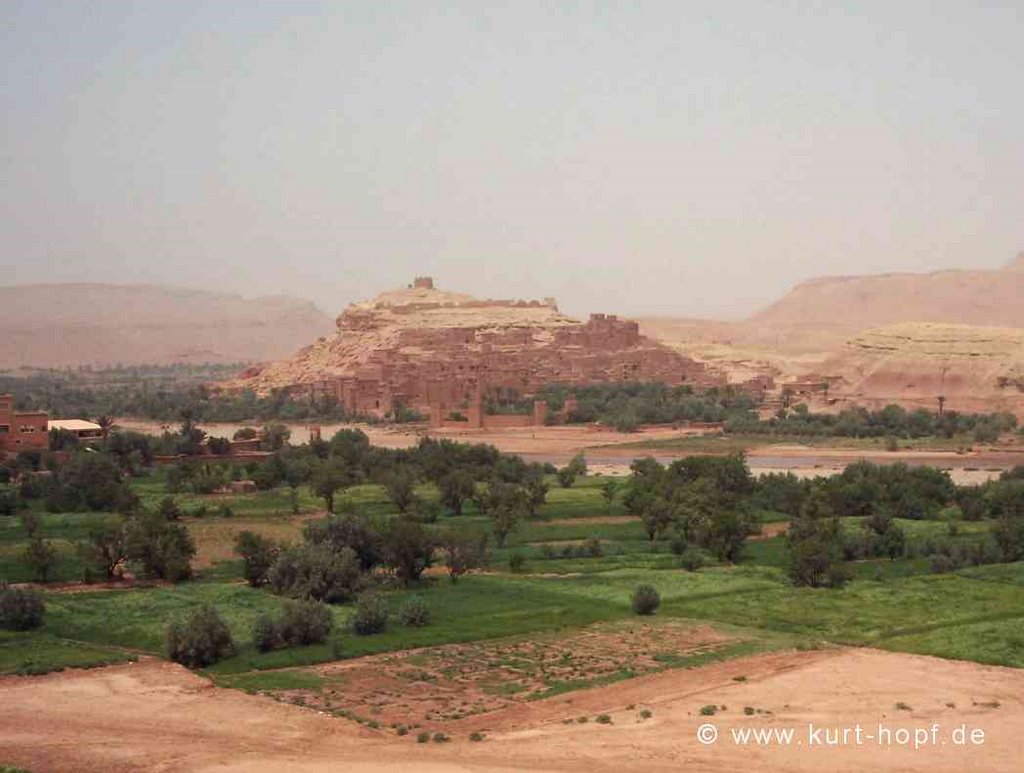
(22, 430)
(83, 430)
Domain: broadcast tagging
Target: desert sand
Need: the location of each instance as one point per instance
(155, 716)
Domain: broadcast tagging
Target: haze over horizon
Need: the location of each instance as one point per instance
(641, 160)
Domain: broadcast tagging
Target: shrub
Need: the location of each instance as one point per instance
(592, 547)
(201, 640)
(316, 572)
(20, 609)
(646, 713)
(10, 502)
(414, 612)
(645, 600)
(691, 560)
(609, 490)
(749, 710)
(169, 509)
(516, 562)
(708, 710)
(603, 719)
(942, 564)
(258, 555)
(476, 736)
(440, 737)
(305, 622)
(371, 614)
(422, 737)
(265, 634)
(463, 552)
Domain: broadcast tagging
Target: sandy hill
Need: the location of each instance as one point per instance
(71, 324)
(825, 311)
(889, 337)
(974, 367)
(423, 346)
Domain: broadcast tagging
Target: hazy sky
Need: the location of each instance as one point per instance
(642, 157)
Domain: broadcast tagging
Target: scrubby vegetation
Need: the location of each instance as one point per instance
(300, 623)
(292, 583)
(201, 640)
(20, 609)
(646, 600)
(892, 421)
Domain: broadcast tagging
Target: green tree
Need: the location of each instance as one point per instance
(576, 467)
(329, 476)
(815, 544)
(348, 531)
(162, 549)
(316, 572)
(400, 486)
(609, 490)
(258, 555)
(275, 436)
(456, 487)
(463, 552)
(1009, 536)
(656, 515)
(408, 548)
(41, 557)
(506, 511)
(104, 552)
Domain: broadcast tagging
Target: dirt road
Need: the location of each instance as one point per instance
(153, 716)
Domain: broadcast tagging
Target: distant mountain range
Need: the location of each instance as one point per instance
(901, 337)
(886, 336)
(62, 325)
(838, 307)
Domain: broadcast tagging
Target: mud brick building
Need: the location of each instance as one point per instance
(434, 350)
(21, 430)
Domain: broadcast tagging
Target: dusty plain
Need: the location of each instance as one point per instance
(160, 717)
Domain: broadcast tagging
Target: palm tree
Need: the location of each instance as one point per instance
(107, 424)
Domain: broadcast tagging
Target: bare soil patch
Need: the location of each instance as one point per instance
(595, 519)
(155, 716)
(441, 685)
(769, 530)
(215, 537)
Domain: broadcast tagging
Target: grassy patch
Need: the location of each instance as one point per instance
(270, 681)
(35, 653)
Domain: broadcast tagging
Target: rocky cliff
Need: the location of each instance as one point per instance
(975, 368)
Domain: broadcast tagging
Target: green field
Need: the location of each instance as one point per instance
(975, 614)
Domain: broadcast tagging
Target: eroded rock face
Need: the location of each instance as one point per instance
(424, 346)
(973, 367)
